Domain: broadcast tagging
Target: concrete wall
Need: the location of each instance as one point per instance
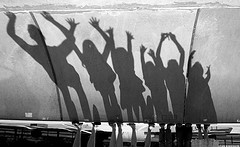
(29, 90)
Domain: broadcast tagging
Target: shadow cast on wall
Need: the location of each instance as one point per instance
(101, 74)
(131, 87)
(199, 103)
(158, 78)
(59, 70)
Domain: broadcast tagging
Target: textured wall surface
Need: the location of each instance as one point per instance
(52, 68)
(217, 45)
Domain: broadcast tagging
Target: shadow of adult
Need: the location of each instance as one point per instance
(199, 103)
(65, 74)
(175, 80)
(65, 71)
(101, 74)
(154, 75)
(131, 87)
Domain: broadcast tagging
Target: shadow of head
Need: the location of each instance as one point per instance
(197, 69)
(172, 65)
(89, 48)
(35, 33)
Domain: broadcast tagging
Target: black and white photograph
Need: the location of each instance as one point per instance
(120, 73)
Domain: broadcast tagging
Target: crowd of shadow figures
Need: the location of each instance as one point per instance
(159, 79)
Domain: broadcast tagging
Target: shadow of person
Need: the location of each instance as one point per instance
(101, 74)
(154, 75)
(175, 81)
(65, 72)
(131, 87)
(149, 115)
(199, 103)
(57, 67)
(96, 116)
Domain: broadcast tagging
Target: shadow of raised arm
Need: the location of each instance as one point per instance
(68, 33)
(95, 23)
(129, 41)
(12, 33)
(180, 49)
(129, 48)
(109, 39)
(158, 59)
(142, 51)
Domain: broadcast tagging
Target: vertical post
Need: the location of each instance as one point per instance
(162, 135)
(199, 131)
(77, 141)
(206, 131)
(113, 141)
(168, 136)
(91, 141)
(147, 142)
(188, 134)
(179, 135)
(51, 65)
(134, 135)
(119, 138)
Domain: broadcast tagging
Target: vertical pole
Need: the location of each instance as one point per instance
(51, 65)
(162, 135)
(179, 135)
(113, 141)
(189, 61)
(91, 141)
(147, 142)
(77, 141)
(188, 134)
(206, 131)
(199, 131)
(134, 135)
(194, 29)
(119, 138)
(168, 136)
